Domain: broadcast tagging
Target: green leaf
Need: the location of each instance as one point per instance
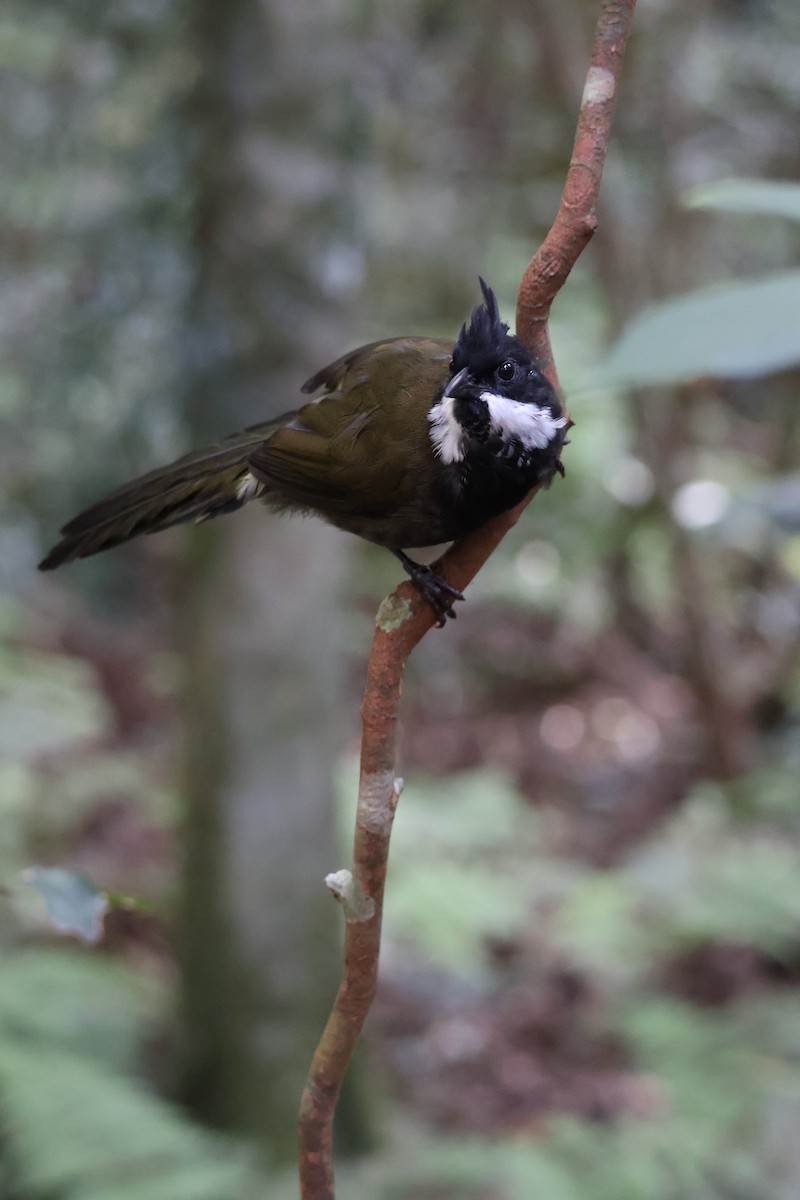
(447, 908)
(466, 812)
(76, 1122)
(73, 903)
(740, 329)
(76, 1130)
(63, 999)
(47, 703)
(770, 197)
(600, 927)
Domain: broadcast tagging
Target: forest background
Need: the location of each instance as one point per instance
(589, 978)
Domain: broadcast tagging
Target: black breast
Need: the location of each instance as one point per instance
(493, 478)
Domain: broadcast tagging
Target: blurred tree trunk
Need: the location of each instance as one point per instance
(260, 944)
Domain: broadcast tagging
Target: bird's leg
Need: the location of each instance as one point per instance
(437, 591)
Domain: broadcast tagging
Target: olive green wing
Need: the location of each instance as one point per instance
(366, 362)
(330, 377)
(354, 449)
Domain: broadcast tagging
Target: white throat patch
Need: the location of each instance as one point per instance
(447, 433)
(533, 427)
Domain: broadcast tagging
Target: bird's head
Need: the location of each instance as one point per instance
(496, 397)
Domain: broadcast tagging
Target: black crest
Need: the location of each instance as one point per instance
(483, 343)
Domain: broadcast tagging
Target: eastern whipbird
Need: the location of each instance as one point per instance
(411, 442)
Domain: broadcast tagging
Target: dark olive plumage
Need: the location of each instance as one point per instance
(414, 441)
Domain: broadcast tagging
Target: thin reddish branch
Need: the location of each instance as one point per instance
(576, 219)
(405, 618)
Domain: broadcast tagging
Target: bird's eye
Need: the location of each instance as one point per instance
(507, 371)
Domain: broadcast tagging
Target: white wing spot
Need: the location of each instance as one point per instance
(248, 487)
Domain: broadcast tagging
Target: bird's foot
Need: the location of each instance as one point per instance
(437, 591)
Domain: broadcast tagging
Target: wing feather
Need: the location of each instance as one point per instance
(336, 455)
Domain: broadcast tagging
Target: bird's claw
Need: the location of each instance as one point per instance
(437, 591)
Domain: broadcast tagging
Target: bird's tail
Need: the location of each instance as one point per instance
(197, 487)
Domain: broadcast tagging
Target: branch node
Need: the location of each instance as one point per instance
(355, 902)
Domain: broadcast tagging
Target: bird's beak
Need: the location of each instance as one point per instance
(455, 383)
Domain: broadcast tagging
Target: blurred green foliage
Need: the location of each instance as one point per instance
(77, 1121)
(77, 1113)
(625, 675)
(710, 1082)
(740, 330)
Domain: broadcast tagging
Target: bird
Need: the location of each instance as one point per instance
(409, 442)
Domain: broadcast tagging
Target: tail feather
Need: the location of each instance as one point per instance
(197, 487)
